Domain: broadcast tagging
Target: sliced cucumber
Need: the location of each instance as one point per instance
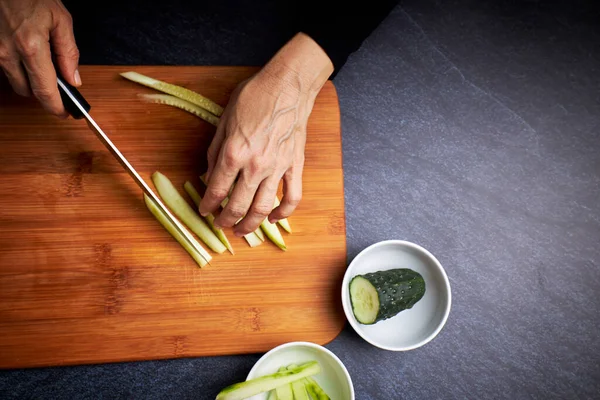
(273, 234)
(196, 198)
(177, 91)
(284, 392)
(298, 387)
(285, 224)
(315, 390)
(380, 295)
(243, 390)
(182, 209)
(164, 221)
(259, 233)
(272, 395)
(182, 104)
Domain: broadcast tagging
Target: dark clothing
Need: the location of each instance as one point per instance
(234, 32)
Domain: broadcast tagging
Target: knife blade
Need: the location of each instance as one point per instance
(77, 106)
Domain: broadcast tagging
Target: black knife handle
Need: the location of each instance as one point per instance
(69, 105)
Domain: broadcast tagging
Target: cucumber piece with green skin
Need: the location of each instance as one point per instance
(284, 223)
(259, 233)
(173, 101)
(196, 198)
(272, 395)
(200, 259)
(175, 90)
(299, 389)
(377, 296)
(252, 387)
(299, 386)
(184, 211)
(284, 392)
(273, 234)
(315, 390)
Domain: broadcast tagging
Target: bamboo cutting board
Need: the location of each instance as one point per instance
(87, 275)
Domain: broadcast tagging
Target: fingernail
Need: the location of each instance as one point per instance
(238, 234)
(77, 78)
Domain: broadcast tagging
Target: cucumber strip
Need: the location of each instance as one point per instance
(315, 390)
(284, 392)
(249, 388)
(273, 234)
(260, 234)
(299, 386)
(299, 389)
(252, 238)
(285, 224)
(311, 390)
(182, 104)
(184, 211)
(177, 91)
(272, 395)
(196, 198)
(159, 215)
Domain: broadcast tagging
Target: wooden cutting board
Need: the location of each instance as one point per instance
(87, 275)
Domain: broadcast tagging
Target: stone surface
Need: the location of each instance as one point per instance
(473, 129)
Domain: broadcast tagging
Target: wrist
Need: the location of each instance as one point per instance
(301, 64)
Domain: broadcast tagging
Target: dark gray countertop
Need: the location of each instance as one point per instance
(473, 130)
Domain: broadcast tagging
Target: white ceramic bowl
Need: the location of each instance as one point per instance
(414, 327)
(333, 378)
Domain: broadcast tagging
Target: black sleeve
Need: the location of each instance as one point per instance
(340, 27)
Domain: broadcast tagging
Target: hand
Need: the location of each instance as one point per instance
(30, 31)
(261, 136)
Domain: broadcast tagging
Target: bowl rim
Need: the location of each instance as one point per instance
(438, 266)
(306, 344)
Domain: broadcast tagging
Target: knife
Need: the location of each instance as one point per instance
(77, 106)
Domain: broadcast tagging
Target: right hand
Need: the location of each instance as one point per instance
(30, 32)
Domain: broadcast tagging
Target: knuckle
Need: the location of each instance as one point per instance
(43, 93)
(5, 57)
(27, 45)
(230, 156)
(236, 212)
(73, 53)
(294, 199)
(217, 193)
(262, 210)
(67, 18)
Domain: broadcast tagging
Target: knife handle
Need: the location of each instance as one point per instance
(68, 103)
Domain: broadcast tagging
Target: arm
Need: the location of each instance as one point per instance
(340, 27)
(262, 134)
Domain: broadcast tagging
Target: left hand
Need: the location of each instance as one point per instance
(261, 137)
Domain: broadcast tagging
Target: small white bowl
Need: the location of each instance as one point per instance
(333, 378)
(414, 327)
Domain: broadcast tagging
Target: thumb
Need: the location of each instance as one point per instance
(65, 49)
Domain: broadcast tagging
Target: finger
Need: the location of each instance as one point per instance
(37, 60)
(239, 202)
(261, 207)
(292, 194)
(221, 180)
(215, 147)
(65, 49)
(16, 75)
